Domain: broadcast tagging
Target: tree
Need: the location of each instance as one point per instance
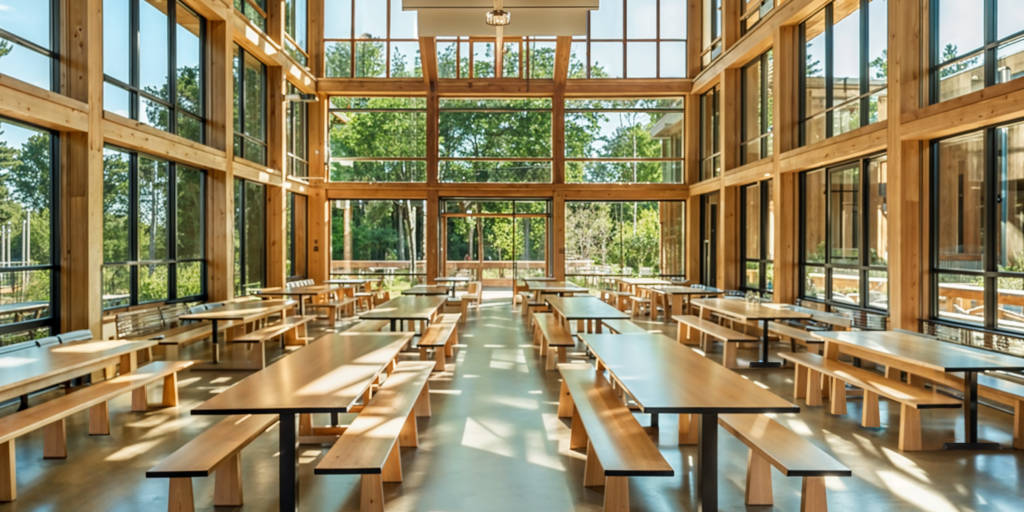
(5, 48)
(950, 52)
(881, 65)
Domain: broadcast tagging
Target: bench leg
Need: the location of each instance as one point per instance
(392, 471)
(729, 357)
(439, 360)
(465, 311)
(423, 353)
(1018, 425)
(422, 407)
(799, 381)
(813, 387)
(8, 480)
(227, 490)
(140, 400)
(409, 436)
(55, 440)
(838, 397)
(170, 398)
(593, 472)
(565, 404)
(371, 494)
(552, 356)
(869, 414)
(812, 496)
(616, 494)
(578, 434)
(759, 480)
(910, 429)
(449, 347)
(179, 499)
(99, 419)
(563, 356)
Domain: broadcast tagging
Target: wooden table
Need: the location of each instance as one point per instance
(328, 376)
(301, 292)
(453, 280)
(632, 282)
(921, 355)
(244, 312)
(559, 288)
(404, 308)
(680, 294)
(590, 310)
(427, 290)
(34, 368)
(663, 376)
(347, 281)
(540, 279)
(752, 312)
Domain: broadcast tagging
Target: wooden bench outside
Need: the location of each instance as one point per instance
(623, 327)
(135, 324)
(370, 445)
(368, 326)
(441, 336)
(809, 383)
(617, 446)
(709, 329)
(216, 450)
(771, 444)
(551, 336)
(473, 297)
(50, 416)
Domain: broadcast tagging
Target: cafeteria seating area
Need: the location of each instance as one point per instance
(509, 255)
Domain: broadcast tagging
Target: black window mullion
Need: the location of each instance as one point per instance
(992, 202)
(133, 59)
(829, 74)
(989, 53)
(172, 231)
(172, 64)
(865, 67)
(133, 228)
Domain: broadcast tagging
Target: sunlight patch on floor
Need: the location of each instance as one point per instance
(526, 404)
(537, 452)
(489, 436)
(914, 493)
(906, 465)
(132, 451)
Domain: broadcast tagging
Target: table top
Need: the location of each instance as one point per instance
(642, 281)
(745, 311)
(406, 307)
(426, 290)
(452, 279)
(39, 363)
(554, 287)
(347, 281)
(328, 375)
(666, 377)
(686, 290)
(242, 310)
(318, 289)
(923, 351)
(585, 308)
(539, 279)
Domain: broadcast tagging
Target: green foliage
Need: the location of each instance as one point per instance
(881, 65)
(619, 235)
(950, 52)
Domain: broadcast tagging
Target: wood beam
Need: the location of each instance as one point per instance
(371, 87)
(220, 186)
(561, 76)
(750, 173)
(728, 239)
(694, 36)
(858, 143)
(270, 53)
(992, 105)
(258, 173)
(26, 102)
(136, 136)
(558, 225)
(315, 29)
(428, 59)
(628, 88)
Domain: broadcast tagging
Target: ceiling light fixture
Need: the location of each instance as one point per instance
(499, 18)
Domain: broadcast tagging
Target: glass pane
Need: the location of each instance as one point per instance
(814, 66)
(475, 129)
(510, 61)
(878, 211)
(153, 39)
(1010, 18)
(403, 23)
(374, 234)
(605, 60)
(495, 172)
(289, 234)
(1010, 213)
(623, 172)
(641, 17)
(752, 221)
(190, 127)
(255, 234)
(770, 276)
(188, 59)
(371, 20)
(116, 287)
(846, 118)
(752, 103)
(673, 20)
(405, 60)
(961, 27)
(846, 286)
(190, 279)
(846, 51)
(254, 152)
(878, 43)
(844, 215)
(153, 209)
(878, 106)
(25, 160)
(961, 202)
(578, 61)
(962, 298)
(1010, 314)
(542, 59)
(371, 59)
(483, 60)
(153, 283)
(770, 242)
(154, 114)
(116, 194)
(29, 19)
(116, 38)
(379, 171)
(1008, 61)
(607, 21)
(814, 216)
(255, 74)
(814, 283)
(295, 21)
(962, 77)
(752, 275)
(189, 206)
(25, 64)
(35, 333)
(338, 59)
(878, 291)
(340, 14)
(673, 59)
(814, 129)
(642, 60)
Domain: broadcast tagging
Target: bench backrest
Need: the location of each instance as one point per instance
(476, 289)
(171, 313)
(47, 341)
(139, 323)
(81, 335)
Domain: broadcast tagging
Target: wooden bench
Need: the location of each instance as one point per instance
(797, 331)
(216, 450)
(370, 445)
(808, 383)
(709, 329)
(291, 329)
(368, 326)
(441, 336)
(551, 336)
(623, 327)
(50, 416)
(472, 297)
(771, 444)
(640, 306)
(617, 446)
(334, 309)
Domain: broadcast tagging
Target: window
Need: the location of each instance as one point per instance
(29, 275)
(504, 141)
(29, 42)
(376, 234)
(710, 135)
(382, 37)
(378, 139)
(753, 12)
(757, 242)
(250, 236)
(617, 238)
(153, 225)
(711, 32)
(975, 44)
(296, 226)
(467, 57)
(636, 39)
(624, 141)
(844, 244)
(153, 65)
(255, 10)
(844, 68)
(757, 109)
(295, 30)
(297, 133)
(250, 107)
(978, 212)
(495, 241)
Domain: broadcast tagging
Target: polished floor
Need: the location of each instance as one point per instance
(495, 444)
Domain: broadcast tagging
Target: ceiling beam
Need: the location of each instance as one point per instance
(563, 48)
(428, 57)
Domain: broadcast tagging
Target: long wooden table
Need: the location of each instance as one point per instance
(34, 368)
(629, 284)
(681, 294)
(560, 288)
(244, 312)
(922, 355)
(749, 312)
(589, 310)
(328, 376)
(404, 308)
(423, 289)
(453, 282)
(301, 292)
(663, 376)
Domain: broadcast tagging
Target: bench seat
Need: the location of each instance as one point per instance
(369, 446)
(640, 305)
(623, 327)
(617, 446)
(808, 382)
(796, 335)
(442, 335)
(772, 444)
(551, 336)
(368, 326)
(710, 329)
(289, 325)
(216, 450)
(335, 308)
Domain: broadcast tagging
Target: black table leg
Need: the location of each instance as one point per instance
(289, 476)
(707, 463)
(216, 346)
(334, 419)
(654, 420)
(392, 325)
(764, 362)
(971, 418)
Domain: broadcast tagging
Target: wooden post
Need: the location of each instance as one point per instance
(558, 224)
(787, 283)
(220, 186)
(433, 252)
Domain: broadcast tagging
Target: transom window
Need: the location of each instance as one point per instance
(250, 107)
(297, 136)
(295, 35)
(378, 33)
(506, 141)
(710, 135)
(250, 236)
(976, 43)
(378, 139)
(29, 42)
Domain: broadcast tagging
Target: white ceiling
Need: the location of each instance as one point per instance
(529, 17)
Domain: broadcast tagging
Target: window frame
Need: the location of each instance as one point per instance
(291, 232)
(352, 42)
(241, 232)
(715, 95)
(766, 127)
(55, 43)
(260, 11)
(759, 7)
(712, 16)
(626, 39)
(334, 111)
(297, 139)
(289, 42)
(764, 212)
(239, 135)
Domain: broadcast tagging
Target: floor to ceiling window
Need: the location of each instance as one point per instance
(153, 225)
(975, 44)
(753, 12)
(711, 32)
(380, 237)
(297, 136)
(29, 275)
(474, 57)
(636, 39)
(756, 109)
(504, 141)
(844, 242)
(296, 233)
(250, 236)
(379, 33)
(28, 42)
(757, 240)
(495, 241)
(153, 65)
(624, 141)
(255, 11)
(250, 105)
(844, 68)
(295, 32)
(710, 135)
(378, 139)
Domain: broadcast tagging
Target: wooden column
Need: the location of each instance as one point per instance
(315, 36)
(82, 172)
(275, 21)
(785, 186)
(319, 235)
(558, 224)
(220, 186)
(277, 158)
(728, 239)
(433, 218)
(694, 31)
(277, 243)
(563, 48)
(731, 13)
(691, 147)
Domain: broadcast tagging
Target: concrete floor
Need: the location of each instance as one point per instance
(495, 444)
